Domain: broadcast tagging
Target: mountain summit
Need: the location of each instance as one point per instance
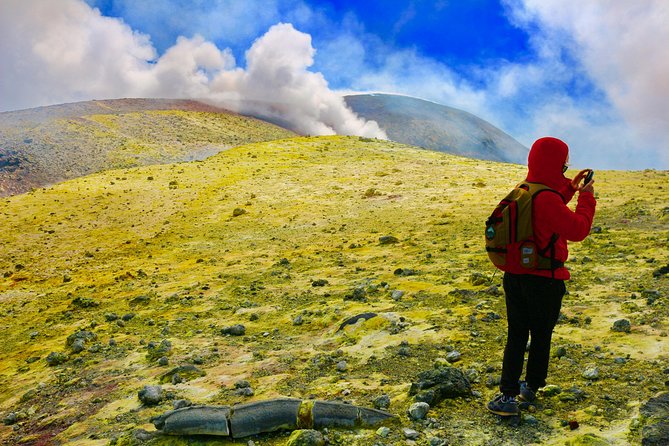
(433, 126)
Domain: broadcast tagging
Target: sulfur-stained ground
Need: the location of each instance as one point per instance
(284, 238)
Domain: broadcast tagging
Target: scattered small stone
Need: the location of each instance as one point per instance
(410, 434)
(342, 366)
(492, 290)
(80, 338)
(151, 395)
(181, 374)
(491, 317)
(572, 395)
(245, 391)
(139, 300)
(661, 271)
(242, 384)
(234, 330)
(473, 375)
(560, 352)
(388, 240)
(112, 342)
(298, 320)
(111, 317)
(397, 294)
(551, 390)
(56, 358)
(404, 351)
(127, 317)
(142, 435)
(418, 411)
(453, 356)
(477, 279)
(436, 441)
(405, 272)
(306, 437)
(382, 402)
(78, 346)
(180, 404)
(163, 361)
(359, 293)
(319, 283)
(155, 351)
(573, 424)
(622, 326)
(84, 302)
(591, 373)
(238, 211)
(492, 381)
(383, 431)
(530, 419)
(12, 418)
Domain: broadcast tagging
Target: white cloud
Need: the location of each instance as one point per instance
(597, 75)
(621, 47)
(66, 51)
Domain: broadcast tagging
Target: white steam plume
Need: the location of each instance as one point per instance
(65, 51)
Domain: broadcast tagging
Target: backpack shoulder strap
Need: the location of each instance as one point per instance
(536, 188)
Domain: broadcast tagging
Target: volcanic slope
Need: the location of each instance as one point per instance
(147, 266)
(45, 145)
(434, 126)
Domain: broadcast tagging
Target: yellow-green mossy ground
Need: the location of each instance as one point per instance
(289, 239)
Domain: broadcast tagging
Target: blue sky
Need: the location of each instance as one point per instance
(461, 34)
(592, 72)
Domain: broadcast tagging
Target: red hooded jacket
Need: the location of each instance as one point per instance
(550, 214)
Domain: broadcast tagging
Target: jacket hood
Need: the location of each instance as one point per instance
(545, 161)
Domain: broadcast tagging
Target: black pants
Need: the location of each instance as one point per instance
(532, 307)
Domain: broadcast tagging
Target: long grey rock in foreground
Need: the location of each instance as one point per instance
(244, 420)
(195, 420)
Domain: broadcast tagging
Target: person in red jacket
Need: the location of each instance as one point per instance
(534, 297)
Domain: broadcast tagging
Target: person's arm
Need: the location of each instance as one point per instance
(571, 225)
(570, 187)
(567, 190)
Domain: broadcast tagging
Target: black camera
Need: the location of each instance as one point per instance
(588, 177)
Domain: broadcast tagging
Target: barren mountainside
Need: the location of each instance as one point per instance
(437, 127)
(326, 268)
(45, 145)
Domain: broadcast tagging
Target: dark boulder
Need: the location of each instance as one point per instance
(434, 386)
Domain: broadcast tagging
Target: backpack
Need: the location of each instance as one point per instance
(509, 235)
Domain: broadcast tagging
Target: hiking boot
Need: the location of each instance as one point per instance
(527, 394)
(503, 405)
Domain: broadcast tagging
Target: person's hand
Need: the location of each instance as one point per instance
(588, 187)
(576, 182)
